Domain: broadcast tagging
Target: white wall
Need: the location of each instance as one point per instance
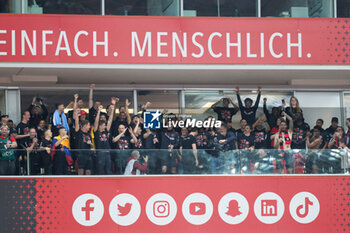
(317, 105)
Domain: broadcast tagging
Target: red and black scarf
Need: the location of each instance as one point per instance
(287, 140)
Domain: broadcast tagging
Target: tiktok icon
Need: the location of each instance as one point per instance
(304, 207)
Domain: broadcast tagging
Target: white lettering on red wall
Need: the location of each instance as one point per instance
(163, 40)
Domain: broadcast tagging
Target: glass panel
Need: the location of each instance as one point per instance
(214, 160)
(51, 97)
(228, 8)
(10, 6)
(297, 8)
(86, 7)
(160, 100)
(198, 103)
(343, 8)
(143, 7)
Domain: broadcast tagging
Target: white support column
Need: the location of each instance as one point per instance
(182, 102)
(134, 93)
(103, 10)
(258, 7)
(343, 110)
(181, 7)
(24, 7)
(13, 104)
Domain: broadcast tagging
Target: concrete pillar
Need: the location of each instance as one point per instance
(13, 104)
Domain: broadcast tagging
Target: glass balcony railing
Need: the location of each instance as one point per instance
(175, 161)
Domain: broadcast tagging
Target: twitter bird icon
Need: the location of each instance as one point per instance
(124, 210)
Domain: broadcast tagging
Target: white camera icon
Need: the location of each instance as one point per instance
(161, 209)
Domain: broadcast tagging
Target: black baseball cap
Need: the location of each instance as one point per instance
(335, 119)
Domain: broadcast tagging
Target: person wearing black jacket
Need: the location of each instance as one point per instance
(151, 144)
(188, 151)
(31, 144)
(300, 132)
(37, 111)
(224, 142)
(45, 152)
(169, 144)
(329, 132)
(20, 136)
(83, 144)
(225, 113)
(248, 111)
(274, 115)
(93, 107)
(102, 139)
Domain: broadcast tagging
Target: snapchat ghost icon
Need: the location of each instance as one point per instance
(233, 208)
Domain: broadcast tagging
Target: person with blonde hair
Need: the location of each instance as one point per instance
(294, 107)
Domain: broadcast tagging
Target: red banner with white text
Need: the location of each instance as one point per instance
(247, 204)
(173, 40)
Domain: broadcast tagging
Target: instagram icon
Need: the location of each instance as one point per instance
(161, 209)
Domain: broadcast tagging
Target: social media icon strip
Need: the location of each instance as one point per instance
(233, 208)
(124, 209)
(197, 208)
(304, 207)
(87, 209)
(269, 208)
(161, 209)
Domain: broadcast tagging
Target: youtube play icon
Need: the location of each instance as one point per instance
(197, 208)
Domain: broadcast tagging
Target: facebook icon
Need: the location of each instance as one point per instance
(152, 119)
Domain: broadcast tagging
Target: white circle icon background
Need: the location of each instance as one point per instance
(204, 206)
(272, 209)
(124, 209)
(230, 213)
(304, 207)
(161, 209)
(91, 202)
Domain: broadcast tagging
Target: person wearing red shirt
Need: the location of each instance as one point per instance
(133, 167)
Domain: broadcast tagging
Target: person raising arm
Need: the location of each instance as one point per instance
(248, 111)
(128, 118)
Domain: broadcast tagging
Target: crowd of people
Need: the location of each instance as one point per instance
(102, 142)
